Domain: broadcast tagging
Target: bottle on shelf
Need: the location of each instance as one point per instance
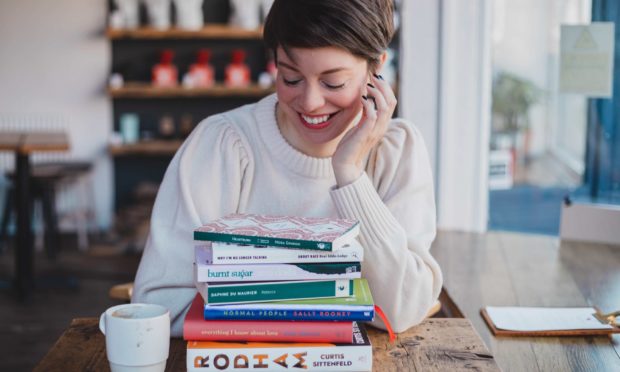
(116, 80)
(166, 127)
(201, 73)
(186, 125)
(130, 127)
(165, 73)
(267, 78)
(237, 73)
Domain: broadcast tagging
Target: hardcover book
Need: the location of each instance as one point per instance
(359, 307)
(196, 328)
(261, 356)
(231, 293)
(318, 233)
(206, 271)
(235, 254)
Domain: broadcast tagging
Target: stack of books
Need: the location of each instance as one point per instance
(276, 293)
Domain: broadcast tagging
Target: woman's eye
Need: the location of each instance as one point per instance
(333, 86)
(291, 82)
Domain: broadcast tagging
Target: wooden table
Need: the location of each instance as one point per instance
(435, 345)
(507, 269)
(23, 144)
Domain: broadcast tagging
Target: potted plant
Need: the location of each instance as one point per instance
(513, 96)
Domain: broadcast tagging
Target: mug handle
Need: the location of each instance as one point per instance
(102, 323)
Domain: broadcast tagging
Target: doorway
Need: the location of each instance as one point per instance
(538, 135)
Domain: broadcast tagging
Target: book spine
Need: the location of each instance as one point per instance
(263, 240)
(233, 254)
(263, 292)
(267, 313)
(268, 331)
(294, 357)
(269, 272)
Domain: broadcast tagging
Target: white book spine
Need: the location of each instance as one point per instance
(235, 254)
(327, 358)
(268, 272)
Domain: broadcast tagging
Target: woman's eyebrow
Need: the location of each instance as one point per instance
(280, 63)
(326, 72)
(333, 70)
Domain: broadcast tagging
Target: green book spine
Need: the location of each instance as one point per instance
(262, 240)
(361, 296)
(276, 291)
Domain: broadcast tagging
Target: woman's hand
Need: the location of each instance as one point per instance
(378, 107)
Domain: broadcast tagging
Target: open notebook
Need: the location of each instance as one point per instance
(546, 321)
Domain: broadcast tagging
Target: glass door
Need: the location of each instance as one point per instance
(538, 135)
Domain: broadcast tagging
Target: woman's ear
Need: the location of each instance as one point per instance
(376, 68)
(382, 59)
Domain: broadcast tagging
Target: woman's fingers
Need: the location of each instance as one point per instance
(369, 114)
(382, 96)
(386, 91)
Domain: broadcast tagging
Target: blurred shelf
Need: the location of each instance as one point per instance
(146, 148)
(211, 31)
(146, 90)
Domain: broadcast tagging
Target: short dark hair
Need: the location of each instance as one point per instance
(362, 27)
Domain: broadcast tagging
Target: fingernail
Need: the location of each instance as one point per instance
(374, 102)
(378, 76)
(365, 98)
(370, 85)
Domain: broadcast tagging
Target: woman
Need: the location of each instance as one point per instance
(324, 145)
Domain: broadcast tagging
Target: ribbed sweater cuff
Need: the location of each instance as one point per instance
(359, 200)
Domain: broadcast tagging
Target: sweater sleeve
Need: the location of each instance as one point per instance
(207, 178)
(394, 201)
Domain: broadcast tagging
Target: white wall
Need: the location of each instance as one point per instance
(445, 91)
(419, 70)
(54, 60)
(465, 107)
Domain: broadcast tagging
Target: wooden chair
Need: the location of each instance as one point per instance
(46, 179)
(121, 292)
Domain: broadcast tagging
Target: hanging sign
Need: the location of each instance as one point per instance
(587, 59)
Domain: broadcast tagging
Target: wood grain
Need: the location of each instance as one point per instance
(10, 141)
(434, 345)
(147, 148)
(29, 142)
(44, 141)
(211, 31)
(140, 90)
(504, 269)
(80, 348)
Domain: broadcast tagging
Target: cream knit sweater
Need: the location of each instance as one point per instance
(239, 162)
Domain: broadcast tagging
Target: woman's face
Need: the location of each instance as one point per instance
(319, 96)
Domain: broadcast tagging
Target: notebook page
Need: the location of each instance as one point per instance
(544, 318)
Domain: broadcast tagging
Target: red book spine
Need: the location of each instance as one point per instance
(195, 328)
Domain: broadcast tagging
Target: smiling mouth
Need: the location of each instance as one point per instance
(317, 121)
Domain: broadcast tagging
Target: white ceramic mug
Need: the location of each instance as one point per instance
(137, 337)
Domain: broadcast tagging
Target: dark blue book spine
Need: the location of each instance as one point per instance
(304, 315)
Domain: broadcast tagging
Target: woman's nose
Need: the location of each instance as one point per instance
(312, 99)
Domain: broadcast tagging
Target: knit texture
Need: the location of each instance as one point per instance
(238, 161)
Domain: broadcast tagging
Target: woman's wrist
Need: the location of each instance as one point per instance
(346, 174)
